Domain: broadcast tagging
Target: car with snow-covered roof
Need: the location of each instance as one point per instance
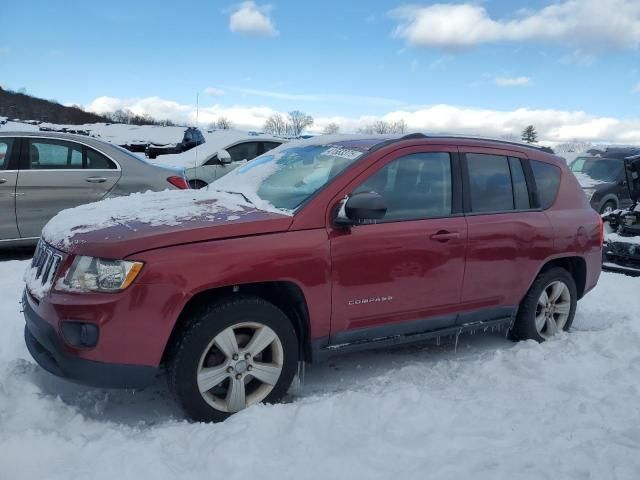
(324, 246)
(42, 173)
(223, 151)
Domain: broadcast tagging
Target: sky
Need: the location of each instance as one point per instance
(570, 67)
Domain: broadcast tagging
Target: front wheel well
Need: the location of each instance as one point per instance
(576, 266)
(285, 295)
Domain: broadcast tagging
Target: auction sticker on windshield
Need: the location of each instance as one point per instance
(342, 152)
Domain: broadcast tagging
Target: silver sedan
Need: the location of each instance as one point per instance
(43, 173)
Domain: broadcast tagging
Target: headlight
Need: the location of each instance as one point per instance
(100, 275)
(589, 192)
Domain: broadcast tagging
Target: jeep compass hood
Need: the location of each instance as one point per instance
(117, 227)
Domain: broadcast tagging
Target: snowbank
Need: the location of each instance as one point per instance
(566, 409)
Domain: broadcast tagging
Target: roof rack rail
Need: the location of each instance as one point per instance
(412, 136)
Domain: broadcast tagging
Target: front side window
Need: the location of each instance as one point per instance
(413, 187)
(5, 151)
(243, 151)
(547, 179)
(490, 183)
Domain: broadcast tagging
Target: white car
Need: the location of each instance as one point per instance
(223, 151)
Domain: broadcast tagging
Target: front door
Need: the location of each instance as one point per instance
(56, 175)
(8, 177)
(402, 274)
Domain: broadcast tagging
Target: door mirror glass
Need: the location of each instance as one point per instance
(224, 157)
(359, 208)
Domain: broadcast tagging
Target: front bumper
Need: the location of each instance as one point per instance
(46, 348)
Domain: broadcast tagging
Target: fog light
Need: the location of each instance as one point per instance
(79, 334)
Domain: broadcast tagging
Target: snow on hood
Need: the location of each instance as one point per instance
(170, 207)
(586, 181)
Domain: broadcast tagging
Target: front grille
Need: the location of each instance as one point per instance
(46, 261)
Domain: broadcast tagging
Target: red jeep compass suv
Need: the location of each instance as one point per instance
(322, 246)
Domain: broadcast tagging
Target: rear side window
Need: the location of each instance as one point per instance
(5, 152)
(243, 151)
(269, 146)
(547, 179)
(490, 183)
(61, 155)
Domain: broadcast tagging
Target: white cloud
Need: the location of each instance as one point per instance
(253, 20)
(552, 125)
(214, 92)
(596, 25)
(512, 81)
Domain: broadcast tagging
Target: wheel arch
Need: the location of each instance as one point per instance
(286, 295)
(575, 265)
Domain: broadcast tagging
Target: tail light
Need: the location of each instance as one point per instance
(179, 182)
(601, 230)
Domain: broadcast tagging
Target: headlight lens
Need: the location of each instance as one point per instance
(589, 192)
(91, 274)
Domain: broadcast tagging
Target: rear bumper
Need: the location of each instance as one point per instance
(46, 348)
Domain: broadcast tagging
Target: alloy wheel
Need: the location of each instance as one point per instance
(240, 366)
(553, 309)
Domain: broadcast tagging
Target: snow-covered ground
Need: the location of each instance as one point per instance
(566, 409)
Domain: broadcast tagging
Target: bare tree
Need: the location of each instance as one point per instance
(223, 123)
(298, 121)
(275, 125)
(399, 126)
(331, 128)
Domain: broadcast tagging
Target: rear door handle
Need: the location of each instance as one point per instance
(96, 180)
(445, 236)
(3, 180)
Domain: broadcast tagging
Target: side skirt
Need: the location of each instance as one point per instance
(321, 350)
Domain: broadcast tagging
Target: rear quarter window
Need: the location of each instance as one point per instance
(547, 179)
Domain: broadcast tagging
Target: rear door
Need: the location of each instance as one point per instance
(56, 175)
(8, 177)
(508, 235)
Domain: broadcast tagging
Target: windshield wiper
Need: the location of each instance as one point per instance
(237, 193)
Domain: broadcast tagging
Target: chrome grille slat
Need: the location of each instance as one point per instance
(46, 261)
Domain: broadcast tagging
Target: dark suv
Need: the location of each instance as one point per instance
(318, 247)
(192, 138)
(603, 181)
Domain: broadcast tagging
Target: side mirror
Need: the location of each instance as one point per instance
(224, 157)
(359, 208)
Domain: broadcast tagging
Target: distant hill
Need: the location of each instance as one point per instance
(26, 107)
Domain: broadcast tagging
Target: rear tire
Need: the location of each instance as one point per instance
(234, 353)
(548, 308)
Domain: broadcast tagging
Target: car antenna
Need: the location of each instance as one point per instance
(195, 149)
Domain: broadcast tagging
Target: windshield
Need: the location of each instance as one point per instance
(599, 169)
(287, 176)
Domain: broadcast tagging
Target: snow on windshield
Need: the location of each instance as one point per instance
(287, 176)
(169, 207)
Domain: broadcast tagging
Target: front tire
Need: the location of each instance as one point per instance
(235, 353)
(548, 308)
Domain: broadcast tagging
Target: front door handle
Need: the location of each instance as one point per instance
(445, 236)
(96, 180)
(3, 180)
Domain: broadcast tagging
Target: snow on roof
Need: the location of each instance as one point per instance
(215, 141)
